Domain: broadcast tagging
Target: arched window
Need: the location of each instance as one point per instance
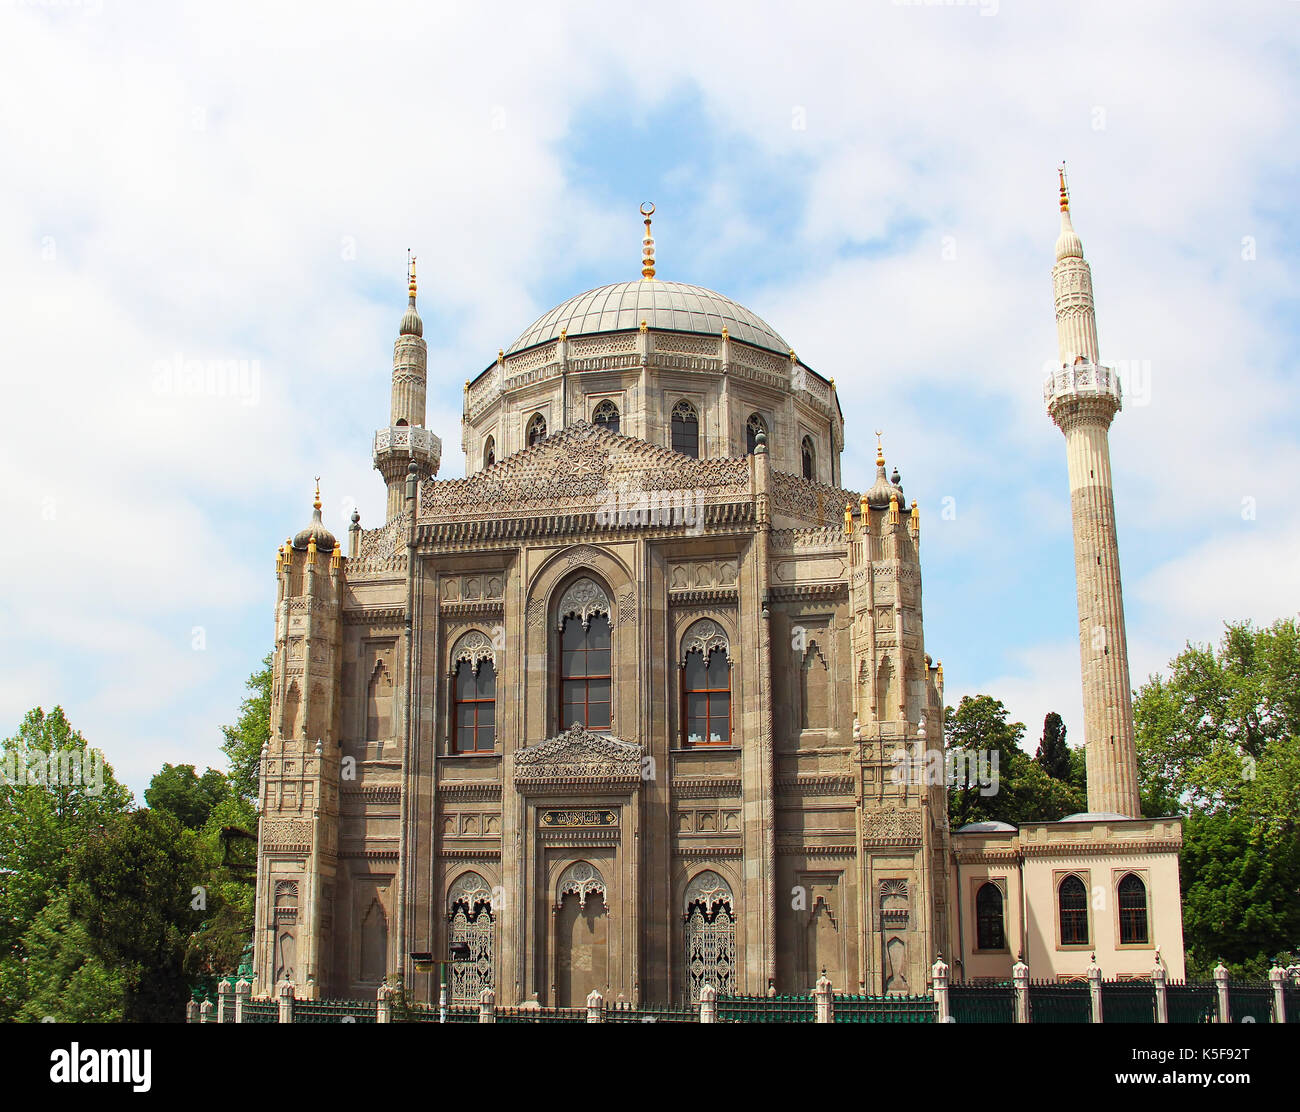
(989, 932)
(1072, 901)
(605, 416)
(686, 429)
(1132, 911)
(489, 452)
(710, 935)
(536, 429)
(809, 459)
(469, 913)
(753, 427)
(706, 686)
(474, 694)
(401, 423)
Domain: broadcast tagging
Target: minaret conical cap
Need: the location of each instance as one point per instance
(315, 531)
(1068, 243)
(411, 325)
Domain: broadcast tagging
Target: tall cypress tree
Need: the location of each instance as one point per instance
(1053, 754)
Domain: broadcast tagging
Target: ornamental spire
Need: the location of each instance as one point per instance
(647, 244)
(1068, 244)
(411, 324)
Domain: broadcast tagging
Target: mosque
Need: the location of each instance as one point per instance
(623, 707)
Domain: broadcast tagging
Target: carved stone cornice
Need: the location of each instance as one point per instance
(369, 854)
(579, 758)
(468, 791)
(706, 787)
(708, 851)
(842, 784)
(376, 793)
(377, 615)
(477, 854)
(1102, 849)
(796, 849)
(704, 596)
(827, 591)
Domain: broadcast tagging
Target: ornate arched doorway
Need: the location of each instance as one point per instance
(710, 936)
(470, 919)
(581, 935)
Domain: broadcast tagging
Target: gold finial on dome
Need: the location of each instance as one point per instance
(647, 244)
(316, 504)
(880, 450)
(410, 272)
(1065, 190)
(645, 327)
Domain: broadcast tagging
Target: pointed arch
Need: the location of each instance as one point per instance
(753, 426)
(472, 923)
(710, 935)
(685, 426)
(605, 415)
(536, 430)
(374, 943)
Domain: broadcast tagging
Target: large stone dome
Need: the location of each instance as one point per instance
(672, 306)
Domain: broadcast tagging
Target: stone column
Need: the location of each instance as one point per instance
(487, 1006)
(1221, 984)
(939, 974)
(1162, 997)
(384, 1005)
(595, 1007)
(207, 1012)
(708, 1004)
(1020, 979)
(192, 1012)
(824, 1001)
(1277, 977)
(1094, 988)
(286, 1002)
(243, 989)
(225, 1001)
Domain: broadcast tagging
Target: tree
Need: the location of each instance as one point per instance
(64, 981)
(1053, 754)
(250, 731)
(55, 793)
(190, 798)
(1217, 740)
(135, 888)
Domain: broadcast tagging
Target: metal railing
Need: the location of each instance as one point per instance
(766, 1009)
(1195, 1003)
(885, 1009)
(1128, 1002)
(982, 1003)
(1060, 1002)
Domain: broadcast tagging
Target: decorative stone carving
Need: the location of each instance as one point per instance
(474, 647)
(703, 637)
(469, 889)
(708, 889)
(582, 879)
(582, 599)
(581, 756)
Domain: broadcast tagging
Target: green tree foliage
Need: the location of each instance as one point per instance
(44, 816)
(62, 979)
(227, 927)
(250, 731)
(1217, 740)
(1053, 754)
(188, 797)
(132, 889)
(978, 728)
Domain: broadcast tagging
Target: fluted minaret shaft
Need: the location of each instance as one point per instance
(1082, 399)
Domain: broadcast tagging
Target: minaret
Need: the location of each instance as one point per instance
(1082, 398)
(406, 438)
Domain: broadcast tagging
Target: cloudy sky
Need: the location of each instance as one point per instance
(877, 180)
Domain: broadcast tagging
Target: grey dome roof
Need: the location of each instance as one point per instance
(1095, 816)
(990, 827)
(672, 306)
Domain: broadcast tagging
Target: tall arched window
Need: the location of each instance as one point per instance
(989, 931)
(489, 452)
(474, 694)
(686, 429)
(753, 427)
(706, 686)
(536, 429)
(1132, 911)
(710, 935)
(809, 458)
(1072, 901)
(605, 415)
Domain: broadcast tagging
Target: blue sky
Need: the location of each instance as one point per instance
(876, 180)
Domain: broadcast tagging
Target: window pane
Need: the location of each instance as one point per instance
(574, 691)
(694, 671)
(695, 731)
(574, 637)
(487, 714)
(569, 715)
(465, 738)
(598, 716)
(464, 681)
(696, 705)
(486, 737)
(598, 632)
(598, 691)
(597, 663)
(487, 681)
(719, 669)
(719, 710)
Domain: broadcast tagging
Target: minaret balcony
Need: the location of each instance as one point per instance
(1082, 380)
(407, 441)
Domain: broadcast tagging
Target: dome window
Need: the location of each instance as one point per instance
(489, 452)
(686, 429)
(809, 459)
(753, 427)
(536, 429)
(605, 416)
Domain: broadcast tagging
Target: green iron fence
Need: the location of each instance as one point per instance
(1250, 1002)
(976, 1003)
(1128, 1002)
(541, 1015)
(652, 1013)
(1291, 1000)
(261, 1011)
(1196, 1003)
(766, 1009)
(333, 1011)
(1059, 1002)
(885, 1009)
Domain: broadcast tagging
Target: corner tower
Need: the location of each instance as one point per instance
(406, 439)
(1082, 399)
